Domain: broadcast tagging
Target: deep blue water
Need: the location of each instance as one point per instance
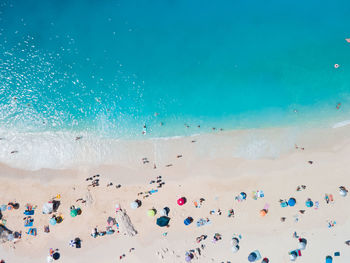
(108, 66)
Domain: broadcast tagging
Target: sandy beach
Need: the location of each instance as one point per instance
(189, 172)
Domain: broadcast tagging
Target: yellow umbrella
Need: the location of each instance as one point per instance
(151, 212)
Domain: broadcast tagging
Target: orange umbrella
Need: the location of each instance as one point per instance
(263, 212)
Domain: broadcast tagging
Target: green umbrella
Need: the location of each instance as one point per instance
(73, 212)
(151, 212)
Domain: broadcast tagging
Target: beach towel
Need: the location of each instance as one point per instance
(29, 212)
(203, 222)
(196, 204)
(297, 251)
(317, 205)
(32, 231)
(28, 223)
(258, 194)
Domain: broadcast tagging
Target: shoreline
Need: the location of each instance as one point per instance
(63, 151)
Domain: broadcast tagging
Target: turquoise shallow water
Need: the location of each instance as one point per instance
(107, 67)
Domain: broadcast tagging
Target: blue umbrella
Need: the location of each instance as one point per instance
(163, 221)
(188, 221)
(329, 259)
(252, 257)
(53, 221)
(243, 195)
(309, 203)
(291, 202)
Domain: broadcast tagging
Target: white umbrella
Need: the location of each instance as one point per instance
(293, 257)
(235, 249)
(48, 208)
(134, 205)
(234, 241)
(343, 192)
(302, 245)
(163, 212)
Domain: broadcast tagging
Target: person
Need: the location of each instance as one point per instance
(144, 129)
(94, 233)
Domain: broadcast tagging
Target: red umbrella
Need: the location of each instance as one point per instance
(181, 201)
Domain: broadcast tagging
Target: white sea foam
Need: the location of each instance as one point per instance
(341, 124)
(61, 150)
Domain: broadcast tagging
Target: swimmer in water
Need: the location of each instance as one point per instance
(338, 106)
(144, 130)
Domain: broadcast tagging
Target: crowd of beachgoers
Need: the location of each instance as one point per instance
(205, 208)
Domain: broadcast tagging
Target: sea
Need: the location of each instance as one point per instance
(139, 70)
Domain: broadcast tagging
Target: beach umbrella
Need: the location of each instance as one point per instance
(53, 221)
(343, 192)
(163, 212)
(302, 243)
(265, 260)
(188, 221)
(134, 205)
(291, 202)
(48, 208)
(243, 195)
(234, 241)
(59, 219)
(163, 221)
(263, 212)
(181, 201)
(56, 256)
(309, 203)
(252, 257)
(188, 258)
(73, 212)
(71, 243)
(329, 259)
(151, 212)
(3, 207)
(293, 256)
(235, 248)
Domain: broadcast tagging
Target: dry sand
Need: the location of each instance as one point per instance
(213, 174)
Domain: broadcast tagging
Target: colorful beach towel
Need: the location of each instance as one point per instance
(317, 205)
(29, 212)
(32, 231)
(203, 222)
(28, 222)
(258, 194)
